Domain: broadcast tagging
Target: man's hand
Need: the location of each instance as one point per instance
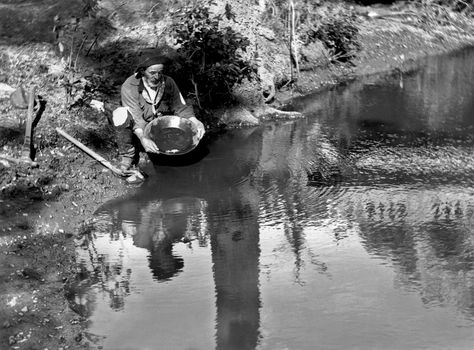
(149, 145)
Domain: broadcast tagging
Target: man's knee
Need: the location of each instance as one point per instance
(122, 118)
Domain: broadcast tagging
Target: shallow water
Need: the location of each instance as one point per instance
(349, 229)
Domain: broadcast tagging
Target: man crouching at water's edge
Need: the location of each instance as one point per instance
(147, 95)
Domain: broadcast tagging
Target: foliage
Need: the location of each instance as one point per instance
(440, 6)
(339, 34)
(210, 57)
(90, 7)
(333, 23)
(433, 13)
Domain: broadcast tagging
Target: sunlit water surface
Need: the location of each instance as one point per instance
(349, 229)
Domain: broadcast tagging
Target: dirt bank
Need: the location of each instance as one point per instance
(44, 211)
(390, 43)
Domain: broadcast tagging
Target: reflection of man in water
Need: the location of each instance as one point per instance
(161, 224)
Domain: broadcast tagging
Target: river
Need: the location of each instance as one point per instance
(352, 228)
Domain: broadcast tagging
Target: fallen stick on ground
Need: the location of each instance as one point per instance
(90, 152)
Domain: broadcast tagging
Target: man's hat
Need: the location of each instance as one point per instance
(150, 57)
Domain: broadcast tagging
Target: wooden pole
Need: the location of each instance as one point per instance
(27, 146)
(293, 48)
(90, 152)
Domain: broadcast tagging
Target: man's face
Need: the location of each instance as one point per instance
(153, 75)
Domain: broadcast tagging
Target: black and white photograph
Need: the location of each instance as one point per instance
(237, 175)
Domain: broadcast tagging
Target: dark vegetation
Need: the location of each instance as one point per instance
(339, 35)
(209, 57)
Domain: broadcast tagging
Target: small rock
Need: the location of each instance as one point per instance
(6, 324)
(31, 273)
(267, 33)
(12, 302)
(11, 340)
(5, 90)
(78, 337)
(25, 309)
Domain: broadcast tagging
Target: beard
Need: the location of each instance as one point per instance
(154, 81)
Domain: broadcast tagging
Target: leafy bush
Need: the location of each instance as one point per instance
(340, 37)
(333, 23)
(210, 57)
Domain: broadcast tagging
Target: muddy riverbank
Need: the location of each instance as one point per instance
(44, 211)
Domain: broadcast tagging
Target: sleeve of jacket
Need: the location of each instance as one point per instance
(180, 108)
(130, 98)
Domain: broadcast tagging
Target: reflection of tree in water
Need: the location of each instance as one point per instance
(396, 243)
(235, 255)
(98, 271)
(281, 180)
(295, 215)
(400, 139)
(430, 248)
(291, 154)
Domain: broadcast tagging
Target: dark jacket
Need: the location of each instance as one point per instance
(171, 103)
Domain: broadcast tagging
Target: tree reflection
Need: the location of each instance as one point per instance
(235, 256)
(410, 172)
(430, 246)
(96, 270)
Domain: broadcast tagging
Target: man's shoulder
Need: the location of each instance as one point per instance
(131, 81)
(168, 79)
